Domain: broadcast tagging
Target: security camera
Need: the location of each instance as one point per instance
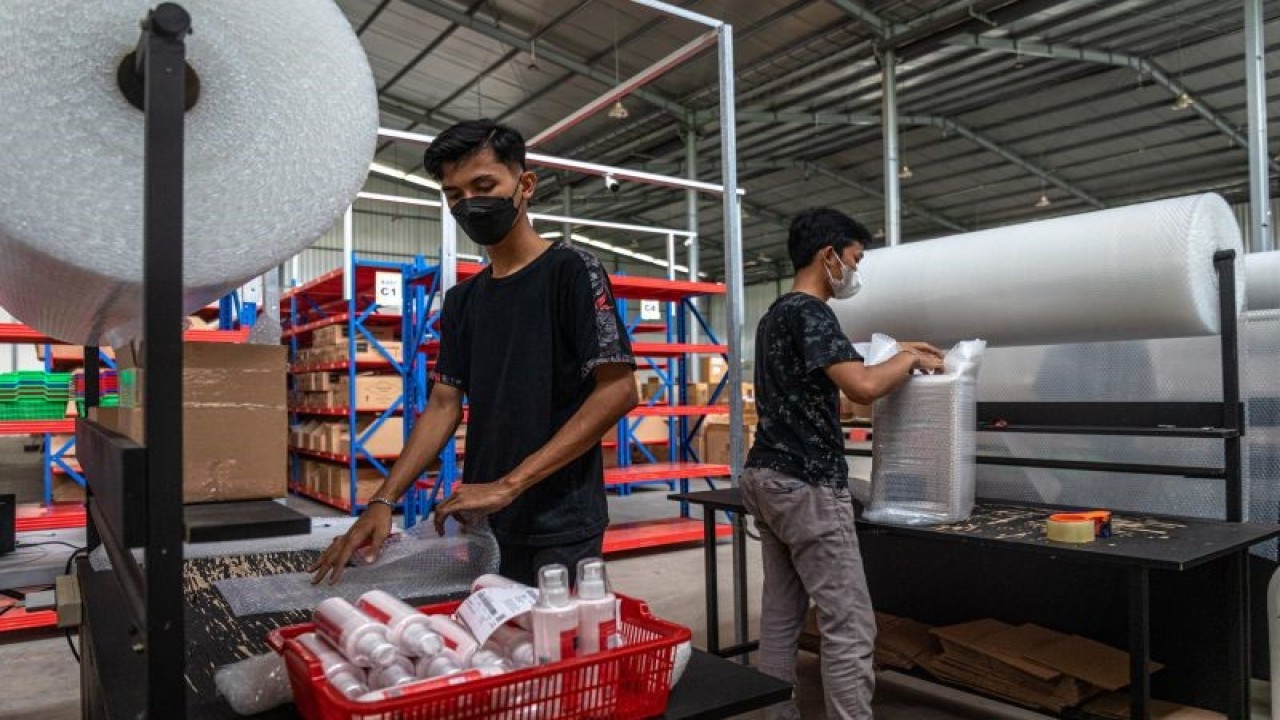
(611, 183)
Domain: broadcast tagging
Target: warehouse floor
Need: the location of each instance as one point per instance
(41, 680)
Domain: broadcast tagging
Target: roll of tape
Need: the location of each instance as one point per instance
(277, 145)
(1069, 528)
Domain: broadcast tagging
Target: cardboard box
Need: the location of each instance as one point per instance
(715, 441)
(698, 394)
(67, 490)
(337, 334)
(365, 352)
(388, 439)
(234, 418)
(712, 368)
(69, 353)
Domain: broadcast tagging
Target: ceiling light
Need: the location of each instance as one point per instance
(904, 173)
(1044, 201)
(1183, 102)
(619, 111)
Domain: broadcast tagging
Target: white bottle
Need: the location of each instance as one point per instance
(498, 581)
(400, 672)
(490, 655)
(422, 686)
(446, 663)
(597, 609)
(516, 645)
(555, 618)
(407, 629)
(345, 677)
(456, 636)
(359, 637)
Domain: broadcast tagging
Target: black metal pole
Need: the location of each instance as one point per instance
(1139, 643)
(1224, 262)
(163, 65)
(91, 393)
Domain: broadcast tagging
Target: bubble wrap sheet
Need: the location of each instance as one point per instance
(1174, 370)
(420, 564)
(1263, 273)
(923, 456)
(276, 148)
(1144, 271)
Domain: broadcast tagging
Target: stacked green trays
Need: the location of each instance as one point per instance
(34, 395)
(106, 401)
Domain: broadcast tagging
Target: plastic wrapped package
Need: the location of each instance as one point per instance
(925, 443)
(420, 564)
(254, 685)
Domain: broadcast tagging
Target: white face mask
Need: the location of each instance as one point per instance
(849, 283)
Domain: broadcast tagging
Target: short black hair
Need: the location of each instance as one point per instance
(462, 141)
(816, 228)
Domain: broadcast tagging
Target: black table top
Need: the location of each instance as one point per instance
(1138, 541)
(710, 688)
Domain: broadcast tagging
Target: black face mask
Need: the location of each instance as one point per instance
(486, 219)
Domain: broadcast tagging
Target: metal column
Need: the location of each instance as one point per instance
(348, 258)
(566, 201)
(735, 293)
(448, 249)
(1260, 229)
(691, 215)
(889, 114)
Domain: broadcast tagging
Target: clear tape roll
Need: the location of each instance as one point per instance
(277, 146)
(1137, 272)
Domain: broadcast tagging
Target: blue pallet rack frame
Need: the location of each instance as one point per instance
(422, 288)
(358, 308)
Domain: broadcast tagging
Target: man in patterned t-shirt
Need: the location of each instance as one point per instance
(796, 482)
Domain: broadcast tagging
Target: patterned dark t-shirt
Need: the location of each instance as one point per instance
(799, 432)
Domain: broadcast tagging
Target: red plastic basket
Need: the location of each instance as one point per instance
(630, 682)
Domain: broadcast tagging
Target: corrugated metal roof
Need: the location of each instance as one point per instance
(1107, 130)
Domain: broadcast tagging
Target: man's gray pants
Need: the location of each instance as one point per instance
(810, 550)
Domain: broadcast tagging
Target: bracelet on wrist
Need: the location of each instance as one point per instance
(378, 500)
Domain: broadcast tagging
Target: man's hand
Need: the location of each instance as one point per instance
(928, 357)
(478, 498)
(373, 527)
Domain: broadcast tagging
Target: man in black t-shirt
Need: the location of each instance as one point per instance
(796, 481)
(536, 345)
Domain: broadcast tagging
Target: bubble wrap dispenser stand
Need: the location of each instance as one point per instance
(630, 682)
(134, 500)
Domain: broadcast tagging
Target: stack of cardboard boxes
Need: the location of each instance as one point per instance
(329, 344)
(333, 390)
(234, 418)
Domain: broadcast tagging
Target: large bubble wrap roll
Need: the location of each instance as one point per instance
(1263, 273)
(276, 148)
(924, 451)
(1137, 272)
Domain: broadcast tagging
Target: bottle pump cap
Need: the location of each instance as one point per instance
(553, 586)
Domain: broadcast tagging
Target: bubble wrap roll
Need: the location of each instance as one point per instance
(276, 148)
(924, 449)
(1263, 273)
(1137, 272)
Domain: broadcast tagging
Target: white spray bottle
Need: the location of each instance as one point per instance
(408, 629)
(361, 639)
(597, 609)
(555, 618)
